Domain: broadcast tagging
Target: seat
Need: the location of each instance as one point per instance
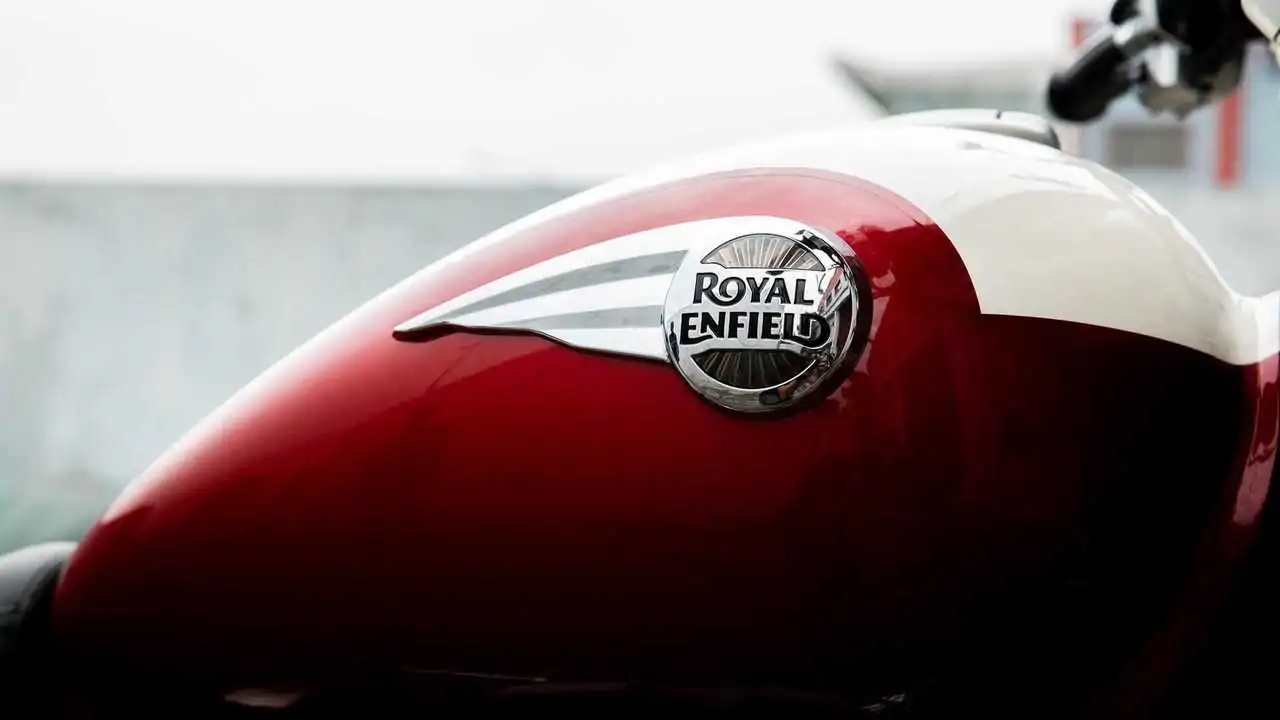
(28, 578)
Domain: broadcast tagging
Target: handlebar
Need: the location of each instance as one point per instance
(1101, 72)
(1205, 44)
(1085, 89)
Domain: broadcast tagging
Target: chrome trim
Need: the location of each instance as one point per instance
(606, 297)
(768, 328)
(608, 273)
(590, 298)
(778, 325)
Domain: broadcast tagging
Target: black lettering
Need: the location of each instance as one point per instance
(686, 329)
(808, 330)
(800, 296)
(713, 324)
(702, 285)
(813, 332)
(727, 297)
(769, 325)
(778, 292)
(757, 287)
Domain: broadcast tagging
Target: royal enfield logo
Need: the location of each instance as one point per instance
(763, 320)
(757, 313)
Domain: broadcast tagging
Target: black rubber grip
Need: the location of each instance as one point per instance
(1083, 91)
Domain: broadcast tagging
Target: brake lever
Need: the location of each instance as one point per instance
(1185, 73)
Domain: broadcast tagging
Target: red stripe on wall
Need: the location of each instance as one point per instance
(1079, 26)
(1229, 131)
(1072, 136)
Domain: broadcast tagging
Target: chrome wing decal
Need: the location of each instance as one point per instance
(606, 297)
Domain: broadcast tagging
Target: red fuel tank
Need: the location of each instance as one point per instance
(1031, 444)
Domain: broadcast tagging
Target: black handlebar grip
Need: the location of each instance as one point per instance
(1083, 91)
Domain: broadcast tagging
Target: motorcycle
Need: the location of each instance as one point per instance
(919, 418)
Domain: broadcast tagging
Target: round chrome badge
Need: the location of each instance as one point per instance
(759, 322)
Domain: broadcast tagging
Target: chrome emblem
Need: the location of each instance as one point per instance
(756, 313)
(761, 321)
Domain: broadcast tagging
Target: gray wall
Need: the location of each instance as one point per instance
(127, 313)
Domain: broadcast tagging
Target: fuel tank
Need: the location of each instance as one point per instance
(860, 413)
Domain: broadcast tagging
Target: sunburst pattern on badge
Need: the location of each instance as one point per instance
(751, 369)
(763, 250)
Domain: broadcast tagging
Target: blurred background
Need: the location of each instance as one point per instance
(188, 190)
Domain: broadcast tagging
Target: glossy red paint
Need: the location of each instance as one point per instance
(983, 497)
